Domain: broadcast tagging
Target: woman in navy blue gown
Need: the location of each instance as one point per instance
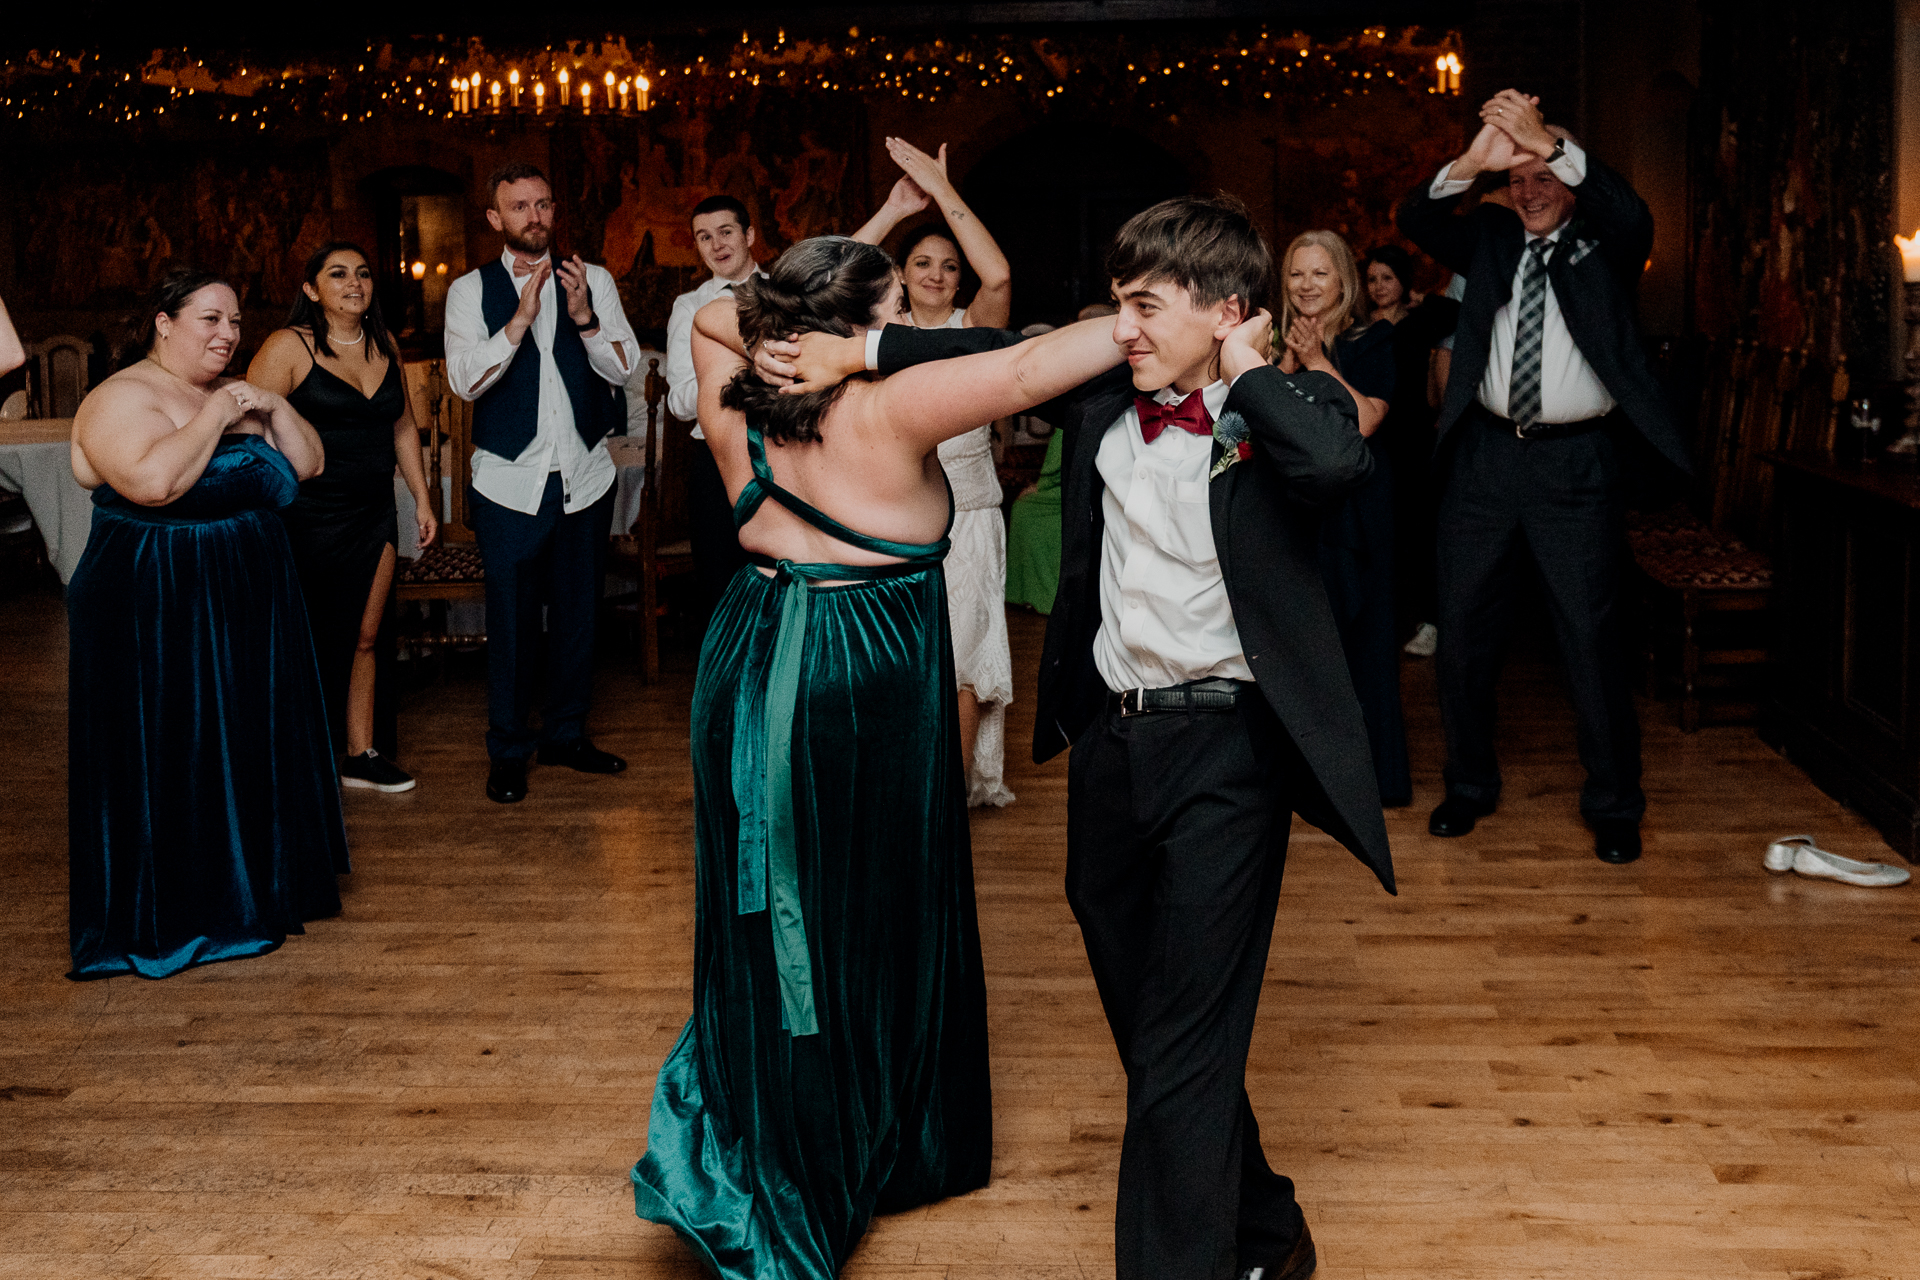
(203, 815)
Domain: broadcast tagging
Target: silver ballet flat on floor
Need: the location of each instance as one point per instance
(1800, 854)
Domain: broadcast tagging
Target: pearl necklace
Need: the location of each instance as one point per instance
(343, 342)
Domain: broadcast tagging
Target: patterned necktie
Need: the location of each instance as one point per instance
(1189, 415)
(1523, 389)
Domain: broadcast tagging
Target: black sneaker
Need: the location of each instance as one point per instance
(375, 772)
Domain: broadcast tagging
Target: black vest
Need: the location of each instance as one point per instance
(506, 415)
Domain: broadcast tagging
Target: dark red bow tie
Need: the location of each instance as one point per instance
(1189, 415)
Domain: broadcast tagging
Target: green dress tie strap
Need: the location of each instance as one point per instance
(768, 863)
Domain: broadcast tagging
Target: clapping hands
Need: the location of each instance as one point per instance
(927, 173)
(1512, 129)
(1307, 344)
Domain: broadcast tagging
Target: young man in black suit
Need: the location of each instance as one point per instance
(1191, 662)
(1548, 377)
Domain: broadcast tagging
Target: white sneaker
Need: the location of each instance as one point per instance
(1426, 638)
(1799, 854)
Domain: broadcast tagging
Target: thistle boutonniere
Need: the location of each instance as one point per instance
(1236, 442)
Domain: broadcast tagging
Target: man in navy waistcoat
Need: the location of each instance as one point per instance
(543, 350)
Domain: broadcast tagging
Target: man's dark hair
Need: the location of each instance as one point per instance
(1206, 245)
(518, 171)
(722, 204)
(827, 284)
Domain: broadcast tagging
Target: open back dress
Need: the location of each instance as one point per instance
(835, 1065)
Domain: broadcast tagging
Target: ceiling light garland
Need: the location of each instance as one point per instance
(463, 81)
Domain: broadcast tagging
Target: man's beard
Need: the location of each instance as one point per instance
(532, 242)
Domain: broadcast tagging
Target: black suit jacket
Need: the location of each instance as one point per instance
(1595, 273)
(1307, 454)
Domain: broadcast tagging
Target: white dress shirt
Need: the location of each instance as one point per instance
(476, 360)
(1164, 614)
(1570, 391)
(683, 386)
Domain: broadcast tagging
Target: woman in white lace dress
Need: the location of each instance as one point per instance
(930, 261)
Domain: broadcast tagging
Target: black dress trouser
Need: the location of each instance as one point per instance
(1176, 840)
(716, 543)
(1560, 503)
(551, 561)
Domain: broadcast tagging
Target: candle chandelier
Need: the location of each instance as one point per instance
(438, 78)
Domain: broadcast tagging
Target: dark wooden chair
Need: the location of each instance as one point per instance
(449, 570)
(1706, 588)
(660, 544)
(57, 377)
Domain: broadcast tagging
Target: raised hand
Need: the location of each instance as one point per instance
(773, 360)
(1492, 152)
(523, 315)
(1518, 116)
(826, 361)
(905, 200)
(573, 282)
(1248, 347)
(1306, 343)
(928, 172)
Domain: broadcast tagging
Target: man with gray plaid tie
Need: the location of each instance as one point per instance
(1549, 378)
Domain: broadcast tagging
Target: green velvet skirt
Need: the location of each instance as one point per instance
(769, 1151)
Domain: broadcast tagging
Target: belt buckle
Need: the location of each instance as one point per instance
(1139, 698)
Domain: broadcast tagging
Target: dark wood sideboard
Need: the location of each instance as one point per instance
(1845, 652)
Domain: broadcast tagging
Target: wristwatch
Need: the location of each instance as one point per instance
(593, 322)
(1559, 151)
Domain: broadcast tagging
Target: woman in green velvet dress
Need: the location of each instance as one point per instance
(835, 1065)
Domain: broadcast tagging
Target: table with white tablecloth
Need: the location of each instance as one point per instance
(36, 462)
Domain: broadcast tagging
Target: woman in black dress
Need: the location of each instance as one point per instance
(1419, 325)
(336, 363)
(1321, 298)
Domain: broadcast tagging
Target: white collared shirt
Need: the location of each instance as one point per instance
(683, 386)
(476, 360)
(1570, 391)
(1164, 614)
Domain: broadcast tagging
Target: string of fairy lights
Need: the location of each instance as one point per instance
(464, 82)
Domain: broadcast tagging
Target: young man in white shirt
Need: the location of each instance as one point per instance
(724, 236)
(543, 350)
(1193, 665)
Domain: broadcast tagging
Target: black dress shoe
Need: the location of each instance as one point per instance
(1297, 1265)
(507, 781)
(582, 755)
(1456, 815)
(1616, 840)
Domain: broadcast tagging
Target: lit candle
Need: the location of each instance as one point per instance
(565, 93)
(641, 86)
(496, 95)
(1440, 70)
(1910, 256)
(513, 79)
(1453, 73)
(459, 92)
(623, 95)
(539, 96)
(609, 90)
(586, 96)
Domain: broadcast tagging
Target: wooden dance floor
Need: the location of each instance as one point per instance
(1529, 1064)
